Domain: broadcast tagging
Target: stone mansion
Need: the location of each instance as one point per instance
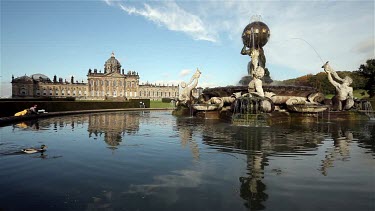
(113, 83)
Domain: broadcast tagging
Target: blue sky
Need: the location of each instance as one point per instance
(165, 41)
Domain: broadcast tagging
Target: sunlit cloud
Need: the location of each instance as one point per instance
(174, 18)
(366, 47)
(185, 72)
(108, 2)
(326, 31)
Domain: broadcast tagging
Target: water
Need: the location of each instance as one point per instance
(155, 161)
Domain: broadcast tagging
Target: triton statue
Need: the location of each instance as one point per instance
(186, 95)
(344, 93)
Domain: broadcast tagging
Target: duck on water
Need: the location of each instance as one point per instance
(42, 148)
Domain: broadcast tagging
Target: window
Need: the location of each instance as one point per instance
(23, 91)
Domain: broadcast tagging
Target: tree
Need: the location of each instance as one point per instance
(368, 71)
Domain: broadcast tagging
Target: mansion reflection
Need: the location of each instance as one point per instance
(113, 126)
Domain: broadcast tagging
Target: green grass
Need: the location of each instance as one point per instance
(359, 93)
(159, 104)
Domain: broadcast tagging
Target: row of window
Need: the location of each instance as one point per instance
(112, 83)
(114, 94)
(57, 93)
(157, 94)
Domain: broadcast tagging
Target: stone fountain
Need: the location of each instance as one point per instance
(266, 104)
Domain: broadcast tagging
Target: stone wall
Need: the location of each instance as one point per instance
(9, 107)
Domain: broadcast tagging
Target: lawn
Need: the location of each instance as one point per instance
(359, 93)
(159, 104)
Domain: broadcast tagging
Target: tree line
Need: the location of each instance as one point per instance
(363, 78)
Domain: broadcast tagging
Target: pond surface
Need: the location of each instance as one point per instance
(156, 161)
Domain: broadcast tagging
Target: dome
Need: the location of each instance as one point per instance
(256, 34)
(41, 77)
(112, 65)
(23, 79)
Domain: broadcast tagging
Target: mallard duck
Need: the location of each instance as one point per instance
(33, 150)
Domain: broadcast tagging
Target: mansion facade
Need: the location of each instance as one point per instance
(113, 83)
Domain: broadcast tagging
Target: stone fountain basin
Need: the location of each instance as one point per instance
(282, 93)
(300, 91)
(205, 107)
(307, 108)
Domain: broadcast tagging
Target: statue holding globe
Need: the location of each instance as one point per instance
(254, 37)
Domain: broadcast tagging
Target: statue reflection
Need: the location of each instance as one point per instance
(185, 131)
(252, 189)
(257, 144)
(340, 150)
(253, 142)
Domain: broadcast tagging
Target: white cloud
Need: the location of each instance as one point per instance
(332, 30)
(366, 47)
(185, 72)
(108, 2)
(174, 18)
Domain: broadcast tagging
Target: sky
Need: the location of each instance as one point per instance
(166, 41)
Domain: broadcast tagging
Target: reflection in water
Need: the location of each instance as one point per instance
(113, 126)
(157, 173)
(185, 130)
(340, 150)
(102, 202)
(27, 125)
(285, 141)
(166, 187)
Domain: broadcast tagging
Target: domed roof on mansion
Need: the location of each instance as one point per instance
(113, 82)
(112, 65)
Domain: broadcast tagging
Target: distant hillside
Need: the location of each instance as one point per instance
(320, 81)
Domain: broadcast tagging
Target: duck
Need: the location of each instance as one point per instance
(33, 150)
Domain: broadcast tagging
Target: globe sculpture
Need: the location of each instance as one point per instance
(256, 35)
